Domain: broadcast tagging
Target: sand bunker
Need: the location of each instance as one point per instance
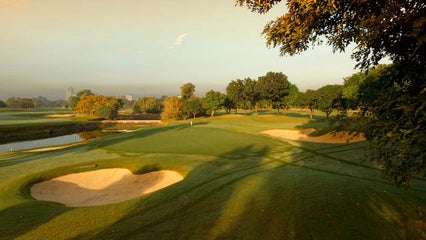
(102, 186)
(302, 135)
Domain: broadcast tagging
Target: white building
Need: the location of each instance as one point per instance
(69, 92)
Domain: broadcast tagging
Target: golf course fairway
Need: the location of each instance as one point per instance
(237, 183)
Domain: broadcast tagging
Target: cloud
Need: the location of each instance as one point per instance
(13, 3)
(180, 39)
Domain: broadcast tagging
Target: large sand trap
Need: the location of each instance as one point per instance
(102, 186)
(302, 135)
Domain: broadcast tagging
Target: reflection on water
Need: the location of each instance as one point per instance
(46, 142)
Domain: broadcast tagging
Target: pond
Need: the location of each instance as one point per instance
(53, 141)
(16, 146)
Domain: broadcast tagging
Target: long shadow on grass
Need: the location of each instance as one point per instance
(20, 219)
(171, 211)
(247, 194)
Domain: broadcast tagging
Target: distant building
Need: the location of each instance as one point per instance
(129, 98)
(69, 92)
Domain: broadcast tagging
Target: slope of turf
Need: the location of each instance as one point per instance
(238, 185)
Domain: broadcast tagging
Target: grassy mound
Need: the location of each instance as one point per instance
(238, 184)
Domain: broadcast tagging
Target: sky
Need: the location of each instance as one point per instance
(146, 48)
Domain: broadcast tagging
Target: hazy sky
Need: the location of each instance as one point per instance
(141, 47)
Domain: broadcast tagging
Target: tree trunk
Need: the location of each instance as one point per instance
(212, 114)
(270, 106)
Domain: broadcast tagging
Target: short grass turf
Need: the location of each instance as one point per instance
(238, 184)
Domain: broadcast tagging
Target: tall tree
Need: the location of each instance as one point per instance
(308, 100)
(213, 101)
(192, 107)
(274, 86)
(146, 105)
(250, 93)
(350, 90)
(378, 28)
(187, 91)
(234, 91)
(291, 98)
(172, 109)
(328, 98)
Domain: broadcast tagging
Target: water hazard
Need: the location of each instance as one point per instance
(46, 142)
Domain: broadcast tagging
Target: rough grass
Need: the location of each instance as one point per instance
(238, 185)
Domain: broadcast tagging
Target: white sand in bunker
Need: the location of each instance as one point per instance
(302, 135)
(102, 186)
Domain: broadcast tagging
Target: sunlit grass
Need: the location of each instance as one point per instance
(238, 184)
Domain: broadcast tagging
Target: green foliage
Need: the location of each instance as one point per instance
(329, 98)
(378, 28)
(72, 101)
(106, 112)
(273, 87)
(146, 105)
(213, 101)
(187, 91)
(250, 93)
(392, 102)
(308, 100)
(293, 93)
(85, 92)
(2, 104)
(234, 92)
(192, 107)
(24, 103)
(350, 90)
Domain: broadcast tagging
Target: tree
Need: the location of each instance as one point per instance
(234, 91)
(2, 104)
(350, 90)
(273, 87)
(378, 28)
(172, 108)
(192, 107)
(385, 28)
(146, 105)
(187, 91)
(250, 93)
(308, 100)
(89, 104)
(72, 101)
(328, 98)
(85, 92)
(106, 112)
(12, 102)
(213, 101)
(291, 98)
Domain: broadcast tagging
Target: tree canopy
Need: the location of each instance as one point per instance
(393, 104)
(187, 91)
(273, 87)
(379, 28)
(213, 101)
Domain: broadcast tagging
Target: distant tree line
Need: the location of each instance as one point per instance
(272, 91)
(31, 103)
